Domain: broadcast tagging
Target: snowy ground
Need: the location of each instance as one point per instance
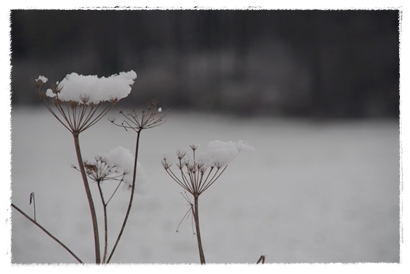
(312, 192)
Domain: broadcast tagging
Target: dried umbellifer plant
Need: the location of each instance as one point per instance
(79, 102)
(197, 173)
(150, 117)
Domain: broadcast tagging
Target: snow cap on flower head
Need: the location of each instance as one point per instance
(75, 87)
(219, 153)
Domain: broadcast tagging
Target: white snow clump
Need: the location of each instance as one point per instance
(123, 159)
(42, 79)
(75, 87)
(219, 153)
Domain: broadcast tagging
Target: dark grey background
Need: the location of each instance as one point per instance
(306, 63)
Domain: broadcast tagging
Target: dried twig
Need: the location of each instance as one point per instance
(47, 232)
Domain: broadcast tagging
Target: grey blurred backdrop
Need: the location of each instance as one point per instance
(246, 62)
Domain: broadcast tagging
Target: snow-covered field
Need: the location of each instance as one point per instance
(312, 191)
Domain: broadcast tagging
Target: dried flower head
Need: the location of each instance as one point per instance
(78, 98)
(149, 118)
(100, 171)
(197, 172)
(165, 163)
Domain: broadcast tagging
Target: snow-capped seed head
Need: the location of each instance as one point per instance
(160, 109)
(41, 80)
(75, 87)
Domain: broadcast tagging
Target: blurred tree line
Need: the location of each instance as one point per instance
(300, 63)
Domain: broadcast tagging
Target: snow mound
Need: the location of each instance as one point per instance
(218, 153)
(123, 159)
(90, 89)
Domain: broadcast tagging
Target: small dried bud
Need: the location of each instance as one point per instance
(165, 163)
(57, 101)
(194, 147)
(203, 169)
(181, 154)
(190, 167)
(73, 104)
(114, 100)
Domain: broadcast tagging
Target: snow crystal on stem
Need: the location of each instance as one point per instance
(77, 88)
(123, 159)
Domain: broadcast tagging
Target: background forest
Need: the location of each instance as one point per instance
(301, 63)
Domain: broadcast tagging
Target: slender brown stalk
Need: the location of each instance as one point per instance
(198, 231)
(47, 232)
(105, 222)
(131, 196)
(147, 120)
(89, 197)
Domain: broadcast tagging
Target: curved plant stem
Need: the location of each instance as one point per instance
(131, 196)
(198, 232)
(46, 231)
(89, 197)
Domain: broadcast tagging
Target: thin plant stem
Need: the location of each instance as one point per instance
(33, 199)
(89, 197)
(131, 196)
(112, 195)
(198, 231)
(105, 222)
(213, 180)
(47, 232)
